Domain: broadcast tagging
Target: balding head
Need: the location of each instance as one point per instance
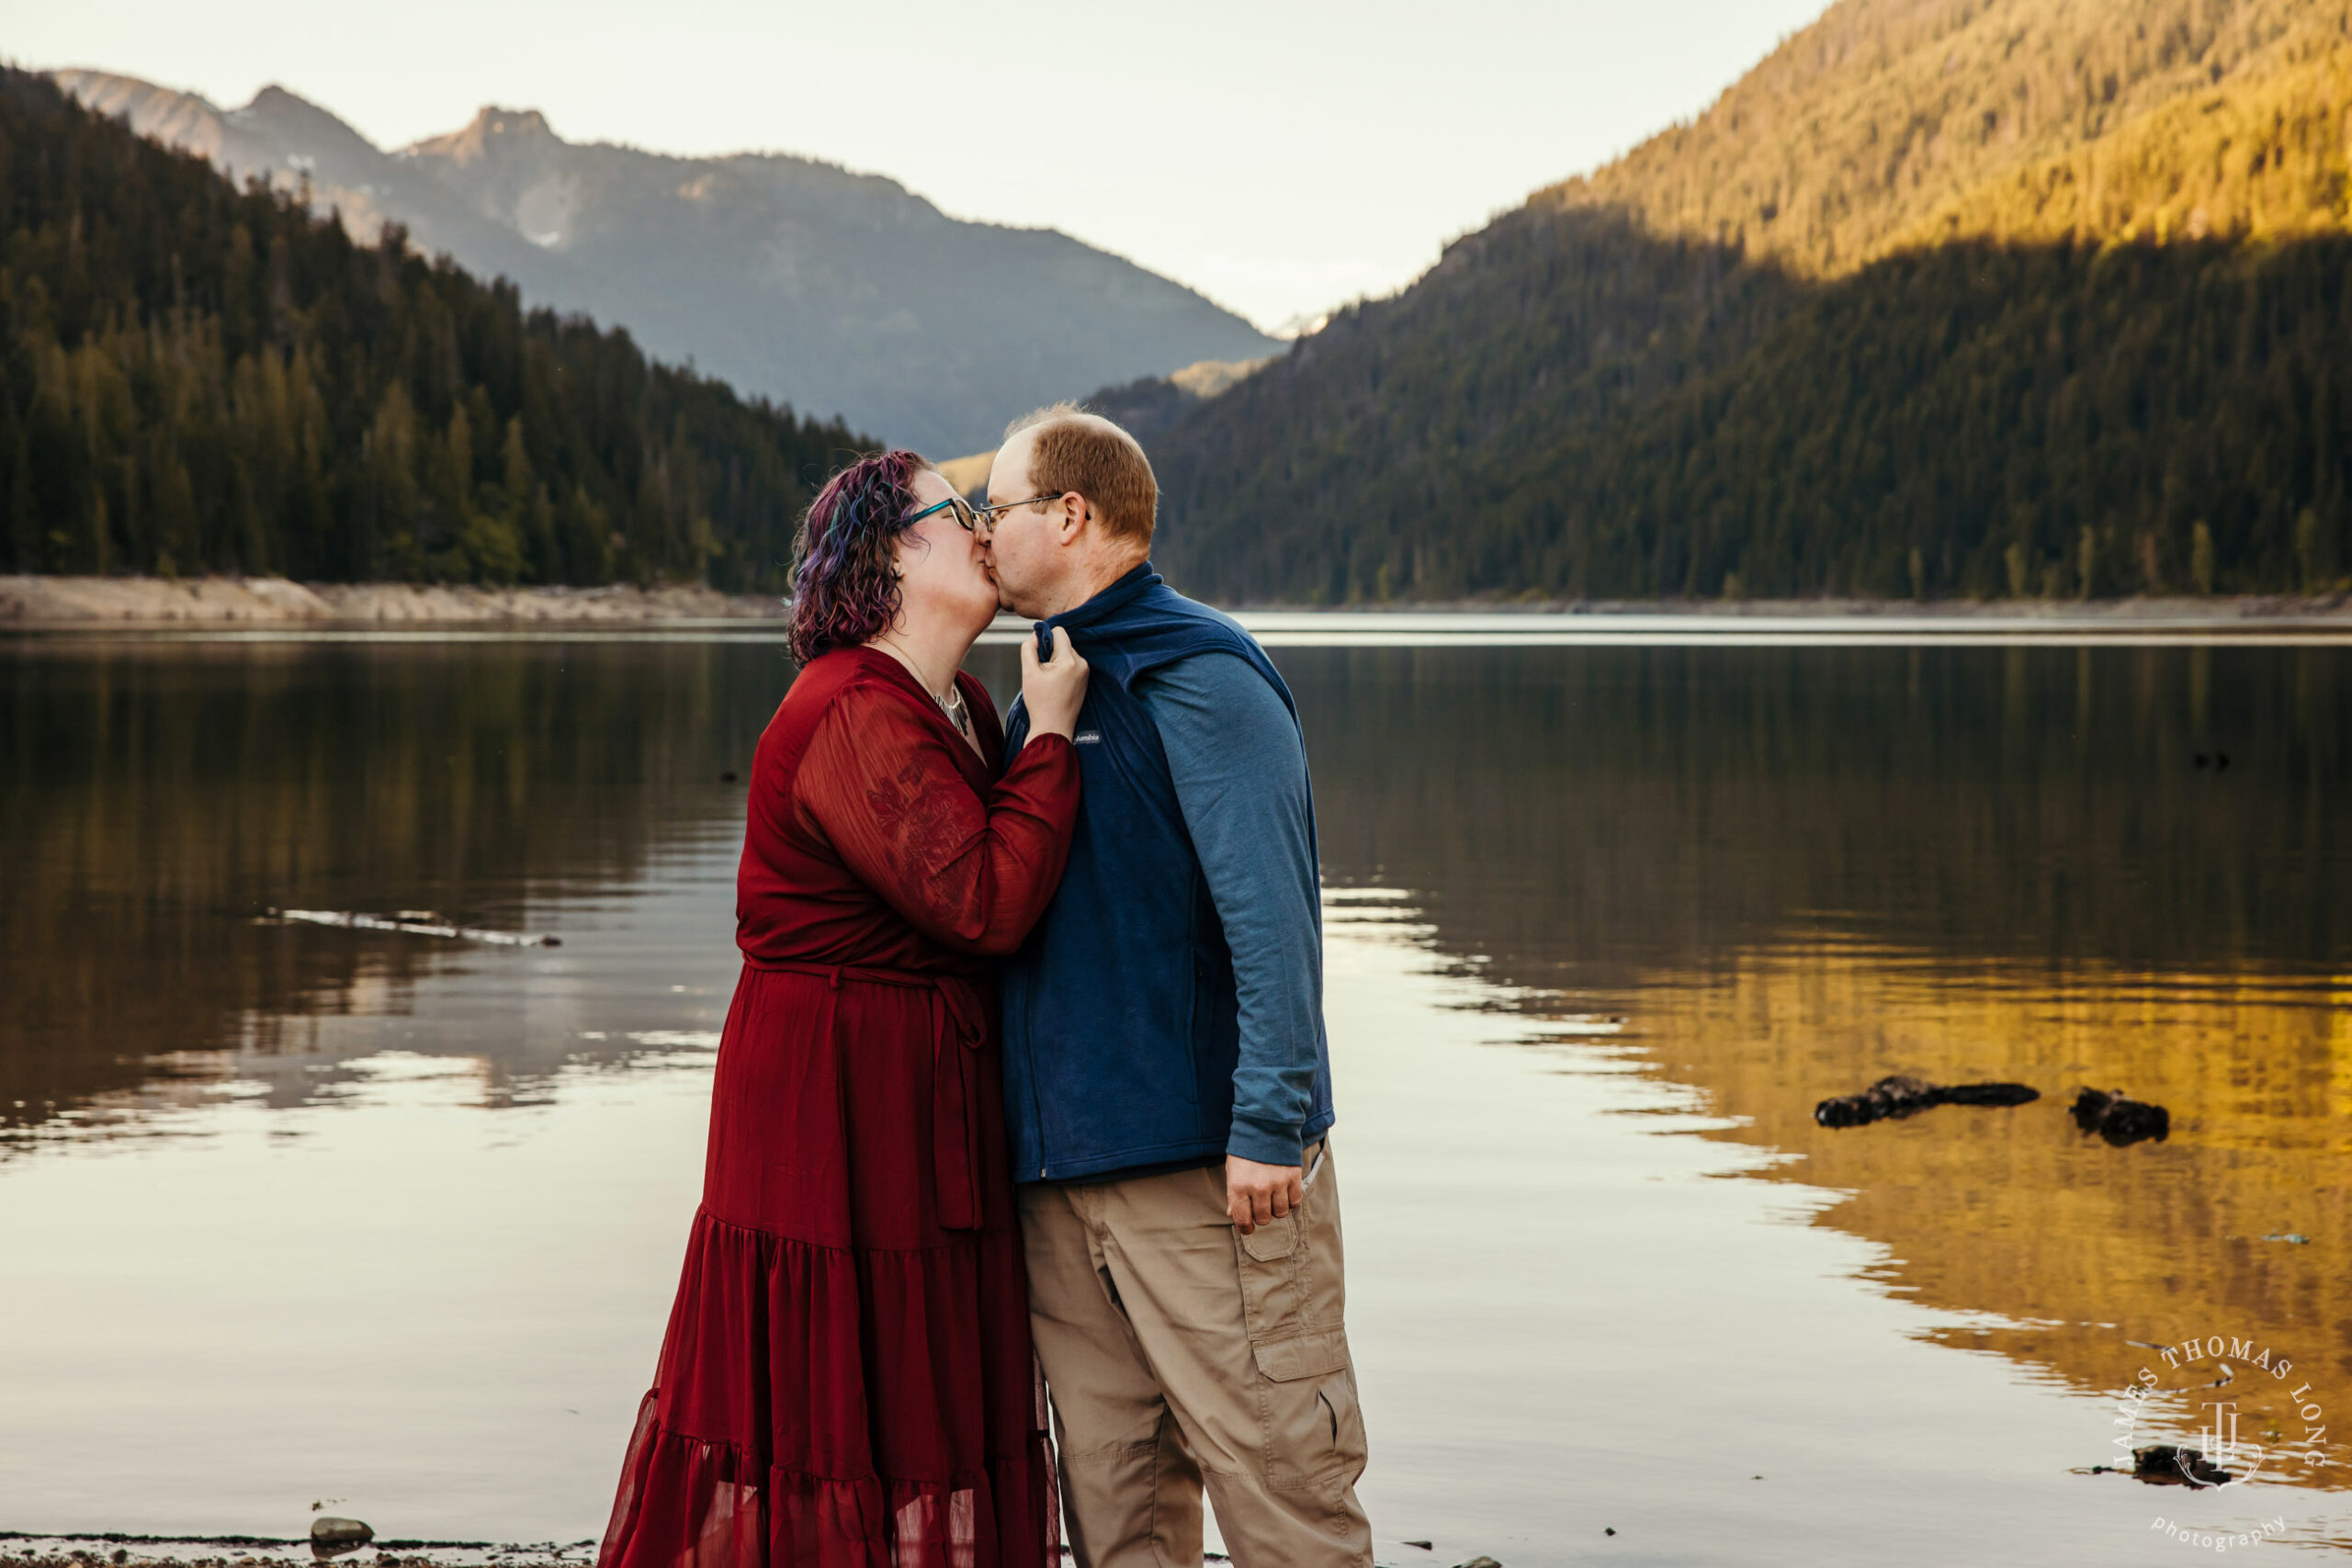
(1078, 502)
(1068, 449)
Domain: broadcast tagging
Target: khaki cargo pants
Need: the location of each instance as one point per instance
(1180, 1353)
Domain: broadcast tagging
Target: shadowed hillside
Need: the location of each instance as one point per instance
(198, 378)
(2029, 299)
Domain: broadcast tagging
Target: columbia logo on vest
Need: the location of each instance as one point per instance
(1089, 738)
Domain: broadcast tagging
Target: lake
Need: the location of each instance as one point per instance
(391, 1222)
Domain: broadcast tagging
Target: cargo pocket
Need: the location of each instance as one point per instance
(1273, 1296)
(1305, 1388)
(1307, 1396)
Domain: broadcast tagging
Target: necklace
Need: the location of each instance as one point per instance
(952, 704)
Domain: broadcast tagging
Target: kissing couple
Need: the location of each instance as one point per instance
(1025, 1091)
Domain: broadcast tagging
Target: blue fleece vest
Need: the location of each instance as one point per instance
(1122, 1028)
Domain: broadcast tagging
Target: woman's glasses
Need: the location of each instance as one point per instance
(966, 516)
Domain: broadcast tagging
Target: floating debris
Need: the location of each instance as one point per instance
(416, 922)
(1900, 1096)
(2120, 1119)
(2293, 1238)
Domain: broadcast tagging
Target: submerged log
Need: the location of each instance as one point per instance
(2120, 1119)
(416, 922)
(1899, 1096)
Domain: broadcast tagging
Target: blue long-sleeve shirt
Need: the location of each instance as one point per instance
(1239, 767)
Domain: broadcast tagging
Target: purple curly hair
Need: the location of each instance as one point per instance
(844, 589)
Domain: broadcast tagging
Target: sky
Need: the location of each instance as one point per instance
(1281, 156)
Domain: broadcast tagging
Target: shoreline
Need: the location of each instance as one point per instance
(145, 603)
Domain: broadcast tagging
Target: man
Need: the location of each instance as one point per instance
(1168, 1085)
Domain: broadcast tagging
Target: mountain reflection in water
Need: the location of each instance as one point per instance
(1800, 870)
(1790, 871)
(157, 797)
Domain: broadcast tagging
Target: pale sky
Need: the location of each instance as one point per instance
(1281, 156)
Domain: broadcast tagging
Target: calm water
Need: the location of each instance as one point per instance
(292, 1214)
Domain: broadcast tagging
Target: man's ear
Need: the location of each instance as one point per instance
(1073, 518)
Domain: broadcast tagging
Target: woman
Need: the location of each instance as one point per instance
(846, 1379)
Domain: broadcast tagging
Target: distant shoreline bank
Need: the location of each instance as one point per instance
(134, 603)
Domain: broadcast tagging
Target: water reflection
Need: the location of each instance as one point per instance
(157, 796)
(1708, 886)
(1798, 871)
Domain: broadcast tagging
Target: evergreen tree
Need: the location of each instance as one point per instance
(198, 378)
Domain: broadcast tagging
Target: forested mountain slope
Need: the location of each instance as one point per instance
(2026, 298)
(787, 277)
(195, 378)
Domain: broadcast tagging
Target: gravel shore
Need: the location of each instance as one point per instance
(93, 602)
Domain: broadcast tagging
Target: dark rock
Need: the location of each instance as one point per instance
(1900, 1096)
(2120, 1119)
(1479, 1563)
(331, 1536)
(2165, 1466)
(1424, 1545)
(727, 777)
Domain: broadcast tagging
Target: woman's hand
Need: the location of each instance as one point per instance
(1052, 691)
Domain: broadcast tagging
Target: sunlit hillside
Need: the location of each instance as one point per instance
(2044, 299)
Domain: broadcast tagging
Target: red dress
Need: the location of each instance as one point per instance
(847, 1378)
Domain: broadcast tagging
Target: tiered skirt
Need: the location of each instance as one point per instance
(846, 1382)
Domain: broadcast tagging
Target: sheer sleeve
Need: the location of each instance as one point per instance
(972, 872)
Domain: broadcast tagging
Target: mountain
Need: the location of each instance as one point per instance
(1946, 297)
(196, 378)
(789, 277)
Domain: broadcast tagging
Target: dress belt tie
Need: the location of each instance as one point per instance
(959, 1018)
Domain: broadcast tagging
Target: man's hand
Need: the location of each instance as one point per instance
(1259, 1194)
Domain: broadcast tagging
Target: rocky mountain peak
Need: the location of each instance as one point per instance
(493, 131)
(789, 277)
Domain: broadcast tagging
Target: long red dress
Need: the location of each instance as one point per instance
(846, 1382)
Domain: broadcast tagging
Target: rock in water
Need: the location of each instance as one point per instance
(1901, 1096)
(2120, 1119)
(1479, 1563)
(2165, 1466)
(1895, 1096)
(331, 1536)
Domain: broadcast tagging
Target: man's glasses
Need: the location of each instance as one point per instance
(990, 514)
